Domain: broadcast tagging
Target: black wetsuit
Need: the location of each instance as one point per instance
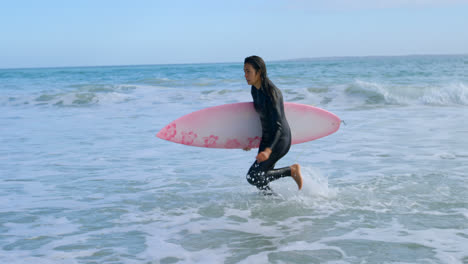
(276, 135)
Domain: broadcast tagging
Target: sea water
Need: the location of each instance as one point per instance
(83, 179)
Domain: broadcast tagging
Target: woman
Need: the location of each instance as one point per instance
(276, 134)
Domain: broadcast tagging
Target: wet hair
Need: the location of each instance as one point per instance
(259, 65)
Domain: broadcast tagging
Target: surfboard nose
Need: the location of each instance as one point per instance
(168, 132)
(159, 135)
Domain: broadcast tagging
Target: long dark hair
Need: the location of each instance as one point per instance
(259, 65)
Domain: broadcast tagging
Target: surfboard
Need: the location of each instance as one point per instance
(237, 125)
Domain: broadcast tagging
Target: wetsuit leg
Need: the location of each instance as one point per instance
(261, 174)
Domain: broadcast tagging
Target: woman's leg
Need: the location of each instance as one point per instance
(261, 174)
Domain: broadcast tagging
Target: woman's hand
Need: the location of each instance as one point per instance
(264, 155)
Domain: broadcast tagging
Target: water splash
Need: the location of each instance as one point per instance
(315, 185)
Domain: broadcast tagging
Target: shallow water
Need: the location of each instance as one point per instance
(83, 179)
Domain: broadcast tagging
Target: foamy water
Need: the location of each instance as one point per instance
(83, 179)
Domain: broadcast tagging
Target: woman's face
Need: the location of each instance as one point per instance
(251, 75)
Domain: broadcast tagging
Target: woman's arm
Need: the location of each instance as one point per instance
(275, 116)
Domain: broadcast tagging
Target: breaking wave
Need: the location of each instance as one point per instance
(355, 94)
(374, 94)
(75, 96)
(371, 93)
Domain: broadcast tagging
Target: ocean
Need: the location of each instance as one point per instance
(83, 179)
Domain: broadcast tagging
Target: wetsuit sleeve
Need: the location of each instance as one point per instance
(277, 126)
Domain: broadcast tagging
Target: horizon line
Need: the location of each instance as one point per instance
(229, 62)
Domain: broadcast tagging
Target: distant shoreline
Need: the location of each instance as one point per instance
(305, 59)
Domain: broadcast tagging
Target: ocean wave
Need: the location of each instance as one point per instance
(197, 82)
(159, 81)
(75, 96)
(81, 99)
(454, 94)
(372, 93)
(355, 94)
(375, 93)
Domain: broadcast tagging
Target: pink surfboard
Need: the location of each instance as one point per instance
(238, 126)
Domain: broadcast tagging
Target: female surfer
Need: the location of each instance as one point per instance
(276, 134)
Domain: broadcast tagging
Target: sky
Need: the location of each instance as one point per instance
(56, 33)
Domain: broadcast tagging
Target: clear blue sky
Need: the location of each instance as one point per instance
(51, 33)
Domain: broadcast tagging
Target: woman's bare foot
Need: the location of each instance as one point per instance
(297, 175)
